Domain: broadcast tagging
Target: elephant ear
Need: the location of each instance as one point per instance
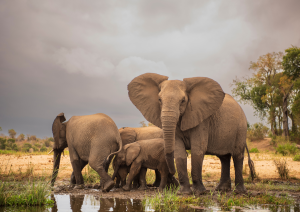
(132, 151)
(143, 93)
(205, 98)
(56, 127)
(128, 135)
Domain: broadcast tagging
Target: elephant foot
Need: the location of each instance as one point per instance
(126, 188)
(199, 190)
(184, 190)
(117, 186)
(108, 185)
(79, 186)
(240, 189)
(143, 187)
(224, 186)
(174, 183)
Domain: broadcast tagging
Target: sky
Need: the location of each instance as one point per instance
(77, 57)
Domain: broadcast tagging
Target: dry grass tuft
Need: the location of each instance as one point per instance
(282, 168)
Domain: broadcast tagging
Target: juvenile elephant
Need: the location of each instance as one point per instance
(141, 155)
(195, 114)
(90, 139)
(130, 135)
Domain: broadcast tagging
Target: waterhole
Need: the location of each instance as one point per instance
(90, 203)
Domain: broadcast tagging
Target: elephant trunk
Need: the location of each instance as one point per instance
(169, 123)
(56, 162)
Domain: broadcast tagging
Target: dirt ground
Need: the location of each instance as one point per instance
(264, 165)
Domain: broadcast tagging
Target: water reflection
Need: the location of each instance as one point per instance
(78, 203)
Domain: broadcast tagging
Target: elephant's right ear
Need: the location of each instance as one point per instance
(128, 135)
(132, 151)
(143, 93)
(56, 126)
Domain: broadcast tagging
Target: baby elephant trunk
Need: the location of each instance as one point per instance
(169, 127)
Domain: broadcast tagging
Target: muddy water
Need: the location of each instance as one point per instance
(77, 203)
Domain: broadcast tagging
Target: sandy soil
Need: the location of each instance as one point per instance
(42, 164)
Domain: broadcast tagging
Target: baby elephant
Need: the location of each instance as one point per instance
(142, 155)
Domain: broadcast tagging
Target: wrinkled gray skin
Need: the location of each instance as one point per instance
(194, 114)
(90, 139)
(141, 155)
(130, 135)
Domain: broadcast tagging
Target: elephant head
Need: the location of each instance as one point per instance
(60, 142)
(171, 103)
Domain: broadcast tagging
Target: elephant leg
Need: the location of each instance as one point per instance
(76, 165)
(142, 179)
(197, 162)
(82, 165)
(225, 181)
(181, 164)
(134, 170)
(157, 178)
(106, 165)
(136, 181)
(164, 172)
(238, 166)
(118, 181)
(172, 182)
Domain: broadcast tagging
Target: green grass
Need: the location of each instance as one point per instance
(169, 201)
(24, 193)
(296, 157)
(254, 150)
(270, 186)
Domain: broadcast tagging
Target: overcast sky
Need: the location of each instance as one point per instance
(77, 57)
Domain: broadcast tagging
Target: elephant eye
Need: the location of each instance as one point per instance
(183, 100)
(159, 100)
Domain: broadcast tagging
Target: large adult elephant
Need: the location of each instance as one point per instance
(194, 114)
(90, 139)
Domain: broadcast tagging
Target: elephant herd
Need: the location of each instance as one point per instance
(193, 114)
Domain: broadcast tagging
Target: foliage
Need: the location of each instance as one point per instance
(273, 90)
(287, 149)
(32, 138)
(143, 124)
(12, 133)
(43, 149)
(254, 150)
(26, 147)
(50, 139)
(296, 157)
(8, 144)
(28, 194)
(282, 169)
(291, 62)
(47, 143)
(257, 131)
(21, 137)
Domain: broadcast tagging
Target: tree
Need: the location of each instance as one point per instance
(291, 65)
(0, 128)
(12, 133)
(261, 90)
(21, 137)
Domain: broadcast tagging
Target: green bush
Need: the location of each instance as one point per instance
(287, 149)
(257, 131)
(43, 149)
(50, 139)
(254, 150)
(278, 140)
(26, 147)
(37, 145)
(35, 149)
(3, 143)
(47, 143)
(297, 157)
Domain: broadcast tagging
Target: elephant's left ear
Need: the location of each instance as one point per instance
(205, 98)
(132, 151)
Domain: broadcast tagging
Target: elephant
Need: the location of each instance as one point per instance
(195, 114)
(130, 135)
(90, 139)
(141, 155)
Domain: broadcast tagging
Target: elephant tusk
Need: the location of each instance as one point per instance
(50, 151)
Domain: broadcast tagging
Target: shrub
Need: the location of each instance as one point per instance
(37, 145)
(21, 137)
(3, 143)
(257, 131)
(282, 169)
(32, 138)
(12, 133)
(50, 139)
(47, 143)
(43, 149)
(287, 149)
(254, 150)
(297, 157)
(26, 147)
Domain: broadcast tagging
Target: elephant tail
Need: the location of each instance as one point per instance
(251, 165)
(119, 141)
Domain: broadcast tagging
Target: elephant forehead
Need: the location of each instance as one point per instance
(173, 84)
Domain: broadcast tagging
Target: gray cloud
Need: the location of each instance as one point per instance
(77, 57)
